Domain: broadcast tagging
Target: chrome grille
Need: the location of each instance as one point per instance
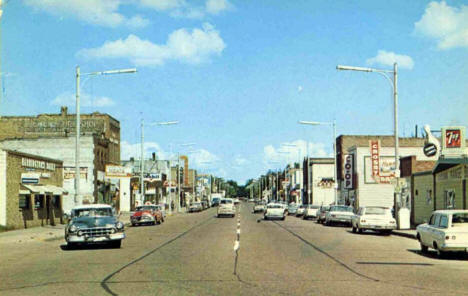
(95, 232)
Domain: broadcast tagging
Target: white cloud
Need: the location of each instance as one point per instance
(240, 161)
(300, 88)
(217, 6)
(182, 9)
(96, 12)
(191, 47)
(163, 5)
(202, 158)
(280, 156)
(388, 58)
(69, 99)
(446, 24)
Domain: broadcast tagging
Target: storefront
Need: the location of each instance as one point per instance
(31, 192)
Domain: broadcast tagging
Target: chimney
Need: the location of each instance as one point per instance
(154, 156)
(64, 111)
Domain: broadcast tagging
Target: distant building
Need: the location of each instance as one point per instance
(318, 181)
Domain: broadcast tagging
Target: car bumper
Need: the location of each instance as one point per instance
(377, 227)
(86, 239)
(226, 212)
(454, 247)
(340, 220)
(142, 220)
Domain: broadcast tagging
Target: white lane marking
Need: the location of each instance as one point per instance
(238, 231)
(236, 246)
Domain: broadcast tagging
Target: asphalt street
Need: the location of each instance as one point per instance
(195, 254)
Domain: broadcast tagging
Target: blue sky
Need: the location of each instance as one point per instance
(238, 75)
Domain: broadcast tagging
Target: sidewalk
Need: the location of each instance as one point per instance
(409, 233)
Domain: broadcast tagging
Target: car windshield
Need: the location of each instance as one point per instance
(341, 209)
(377, 211)
(460, 218)
(90, 212)
(146, 208)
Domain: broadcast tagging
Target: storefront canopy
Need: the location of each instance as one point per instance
(42, 189)
(446, 163)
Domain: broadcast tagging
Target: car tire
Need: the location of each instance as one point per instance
(441, 254)
(423, 248)
(354, 229)
(116, 244)
(71, 246)
(282, 219)
(133, 224)
(359, 230)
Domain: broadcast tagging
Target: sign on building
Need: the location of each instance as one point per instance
(118, 171)
(453, 141)
(378, 169)
(348, 171)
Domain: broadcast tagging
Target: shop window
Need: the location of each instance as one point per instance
(429, 197)
(38, 201)
(56, 201)
(450, 199)
(24, 201)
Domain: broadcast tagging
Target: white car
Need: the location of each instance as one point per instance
(300, 210)
(236, 201)
(259, 207)
(310, 212)
(373, 218)
(339, 214)
(274, 211)
(226, 208)
(447, 231)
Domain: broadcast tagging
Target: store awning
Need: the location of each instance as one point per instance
(42, 189)
(446, 163)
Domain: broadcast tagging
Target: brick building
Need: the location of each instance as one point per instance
(53, 136)
(31, 192)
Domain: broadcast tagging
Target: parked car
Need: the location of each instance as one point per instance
(321, 213)
(236, 201)
(300, 210)
(292, 208)
(94, 224)
(215, 201)
(226, 208)
(274, 211)
(204, 204)
(259, 207)
(251, 200)
(195, 207)
(373, 218)
(447, 231)
(310, 212)
(339, 214)
(147, 214)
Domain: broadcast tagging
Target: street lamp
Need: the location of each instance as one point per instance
(333, 124)
(394, 85)
(142, 156)
(78, 122)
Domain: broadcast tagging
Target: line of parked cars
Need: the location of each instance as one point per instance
(198, 206)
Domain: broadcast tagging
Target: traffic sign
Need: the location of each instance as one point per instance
(430, 149)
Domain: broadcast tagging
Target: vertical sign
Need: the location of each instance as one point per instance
(375, 159)
(348, 171)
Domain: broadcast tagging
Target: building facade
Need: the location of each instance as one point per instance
(31, 192)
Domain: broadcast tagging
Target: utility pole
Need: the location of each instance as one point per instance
(142, 163)
(178, 183)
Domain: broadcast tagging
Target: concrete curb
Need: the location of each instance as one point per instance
(404, 234)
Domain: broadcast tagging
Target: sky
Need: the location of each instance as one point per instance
(238, 75)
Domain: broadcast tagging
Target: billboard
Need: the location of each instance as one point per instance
(348, 171)
(453, 140)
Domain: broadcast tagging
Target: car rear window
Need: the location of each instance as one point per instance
(274, 206)
(226, 201)
(459, 218)
(376, 211)
(341, 209)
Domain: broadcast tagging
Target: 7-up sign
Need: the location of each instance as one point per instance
(453, 140)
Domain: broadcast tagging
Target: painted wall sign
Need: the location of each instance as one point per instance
(386, 171)
(118, 171)
(37, 164)
(69, 173)
(348, 171)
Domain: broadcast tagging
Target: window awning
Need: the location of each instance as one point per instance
(446, 163)
(42, 189)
